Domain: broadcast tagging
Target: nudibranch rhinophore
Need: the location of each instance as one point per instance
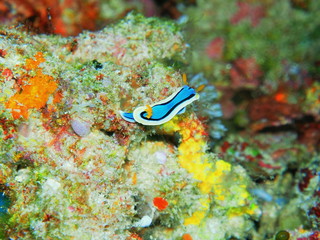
(164, 110)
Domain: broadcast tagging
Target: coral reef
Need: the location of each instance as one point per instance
(74, 169)
(243, 39)
(241, 162)
(66, 18)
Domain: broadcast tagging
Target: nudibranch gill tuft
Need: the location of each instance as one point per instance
(164, 110)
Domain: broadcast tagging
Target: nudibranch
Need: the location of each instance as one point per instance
(164, 110)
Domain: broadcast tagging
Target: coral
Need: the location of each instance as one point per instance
(268, 87)
(160, 203)
(63, 17)
(211, 175)
(74, 169)
(215, 48)
(269, 159)
(312, 101)
(246, 28)
(34, 91)
(247, 10)
(245, 73)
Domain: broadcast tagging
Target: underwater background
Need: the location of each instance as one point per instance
(160, 119)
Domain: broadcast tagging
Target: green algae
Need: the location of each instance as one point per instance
(272, 40)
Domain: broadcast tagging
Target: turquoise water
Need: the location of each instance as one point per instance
(4, 204)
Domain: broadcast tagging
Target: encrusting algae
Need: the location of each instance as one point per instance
(33, 89)
(211, 174)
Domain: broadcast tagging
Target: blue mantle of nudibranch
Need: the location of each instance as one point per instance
(127, 116)
(164, 110)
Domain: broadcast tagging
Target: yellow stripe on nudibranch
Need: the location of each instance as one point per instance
(149, 111)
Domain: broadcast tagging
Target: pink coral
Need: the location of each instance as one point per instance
(214, 49)
(248, 11)
(245, 72)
